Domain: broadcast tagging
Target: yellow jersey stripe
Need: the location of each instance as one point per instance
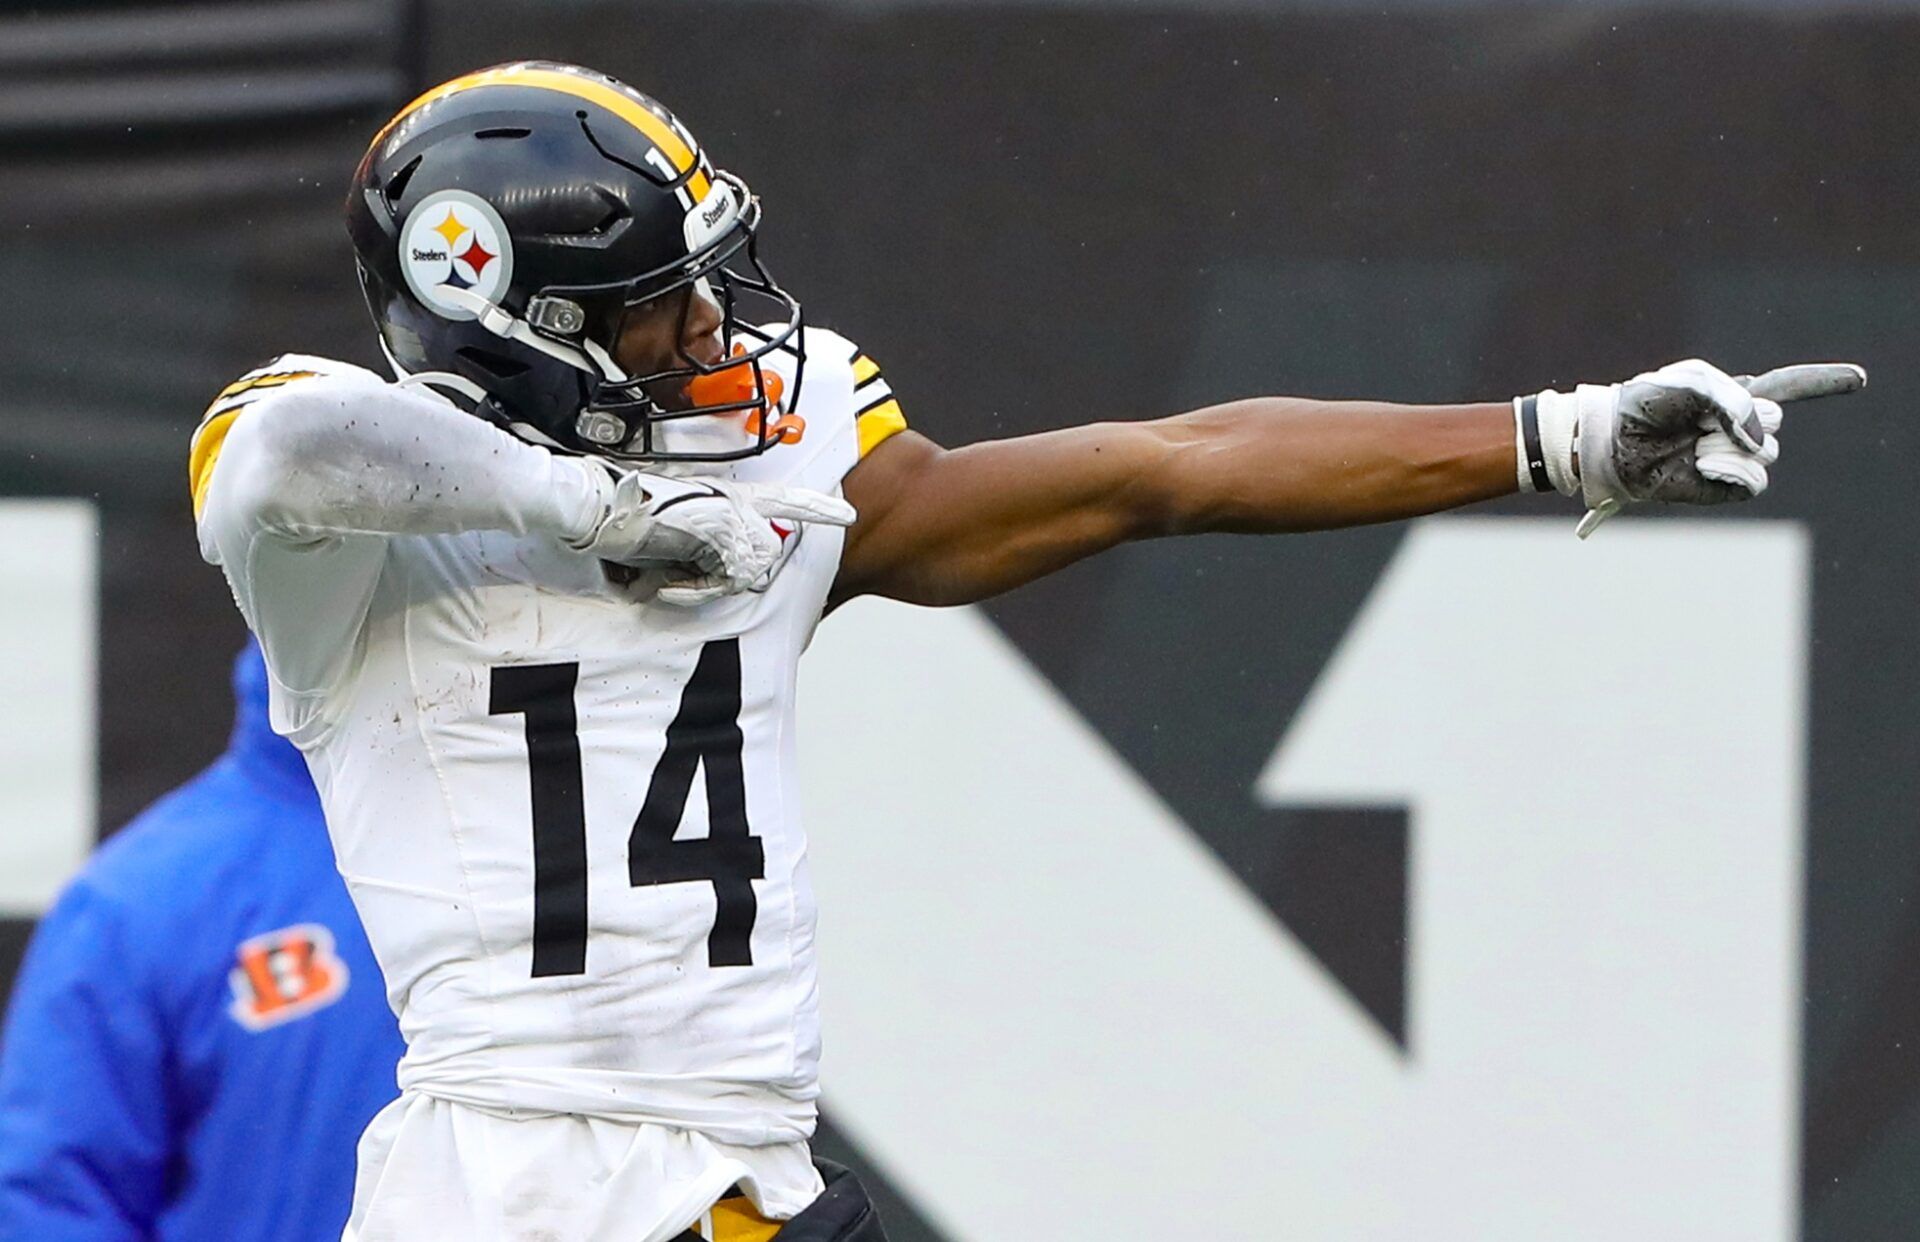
(248, 384)
(212, 432)
(864, 369)
(879, 424)
(735, 1220)
(657, 131)
(206, 451)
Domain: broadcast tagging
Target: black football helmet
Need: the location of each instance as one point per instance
(507, 221)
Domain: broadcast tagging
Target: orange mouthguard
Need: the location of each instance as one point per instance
(734, 385)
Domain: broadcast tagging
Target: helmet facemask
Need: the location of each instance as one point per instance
(685, 410)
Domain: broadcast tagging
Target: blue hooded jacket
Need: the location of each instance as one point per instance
(198, 1034)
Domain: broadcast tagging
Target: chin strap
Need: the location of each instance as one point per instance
(446, 379)
(504, 324)
(594, 426)
(432, 380)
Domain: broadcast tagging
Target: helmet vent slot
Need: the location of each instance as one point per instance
(586, 222)
(504, 131)
(497, 365)
(397, 184)
(616, 214)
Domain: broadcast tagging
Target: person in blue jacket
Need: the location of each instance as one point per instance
(199, 1033)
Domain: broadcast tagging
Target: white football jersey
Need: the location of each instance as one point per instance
(569, 815)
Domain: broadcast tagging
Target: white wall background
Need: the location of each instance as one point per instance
(1052, 1014)
(48, 641)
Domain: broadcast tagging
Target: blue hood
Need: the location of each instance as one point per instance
(254, 744)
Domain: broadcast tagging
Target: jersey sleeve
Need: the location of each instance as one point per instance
(877, 414)
(303, 471)
(304, 599)
(211, 435)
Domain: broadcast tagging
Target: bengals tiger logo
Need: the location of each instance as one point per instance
(285, 974)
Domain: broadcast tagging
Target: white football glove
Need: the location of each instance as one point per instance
(710, 537)
(1686, 434)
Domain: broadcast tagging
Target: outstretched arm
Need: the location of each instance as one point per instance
(941, 526)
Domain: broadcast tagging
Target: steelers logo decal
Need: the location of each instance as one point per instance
(455, 241)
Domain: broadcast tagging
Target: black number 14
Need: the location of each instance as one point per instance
(705, 734)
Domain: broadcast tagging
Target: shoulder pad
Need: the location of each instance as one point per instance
(262, 381)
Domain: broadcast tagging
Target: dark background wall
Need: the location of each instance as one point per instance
(1035, 216)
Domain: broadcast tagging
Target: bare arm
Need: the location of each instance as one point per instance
(944, 526)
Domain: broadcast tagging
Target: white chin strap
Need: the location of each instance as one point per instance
(589, 357)
(609, 369)
(504, 324)
(431, 380)
(446, 379)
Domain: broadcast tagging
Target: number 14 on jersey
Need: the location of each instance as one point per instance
(705, 734)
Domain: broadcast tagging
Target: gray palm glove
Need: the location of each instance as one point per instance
(709, 537)
(1687, 433)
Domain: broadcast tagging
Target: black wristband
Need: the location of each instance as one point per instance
(1530, 440)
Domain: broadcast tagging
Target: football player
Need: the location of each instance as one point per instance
(533, 612)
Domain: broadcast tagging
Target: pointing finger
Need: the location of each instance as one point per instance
(1807, 380)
